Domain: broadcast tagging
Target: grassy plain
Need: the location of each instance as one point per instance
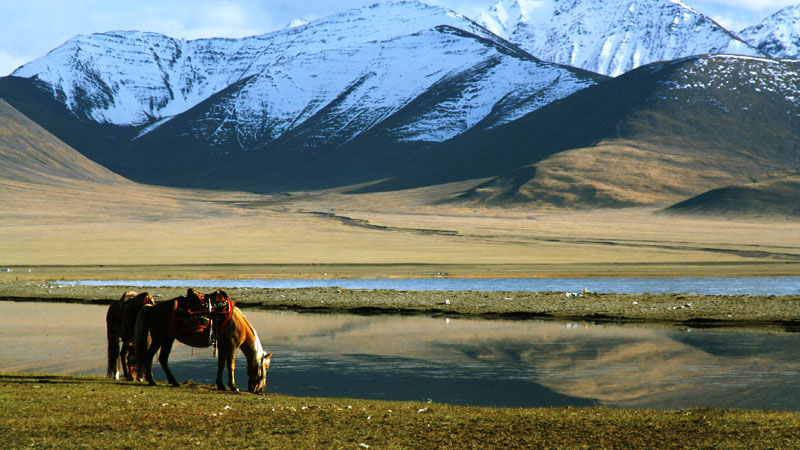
(45, 411)
(147, 231)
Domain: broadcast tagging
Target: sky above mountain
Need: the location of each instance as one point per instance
(34, 27)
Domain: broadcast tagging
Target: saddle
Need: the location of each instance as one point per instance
(197, 312)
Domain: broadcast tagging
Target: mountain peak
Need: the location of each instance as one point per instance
(684, 5)
(609, 37)
(777, 35)
(297, 23)
(137, 78)
(505, 15)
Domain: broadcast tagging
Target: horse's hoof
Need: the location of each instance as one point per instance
(235, 390)
(151, 383)
(220, 387)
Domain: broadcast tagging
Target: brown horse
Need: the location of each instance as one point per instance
(120, 323)
(155, 322)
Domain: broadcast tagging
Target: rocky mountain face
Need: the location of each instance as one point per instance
(777, 35)
(610, 37)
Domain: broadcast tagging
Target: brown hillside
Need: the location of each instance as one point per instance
(42, 179)
(772, 198)
(28, 153)
(654, 136)
(611, 174)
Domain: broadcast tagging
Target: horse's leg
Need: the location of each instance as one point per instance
(231, 362)
(124, 358)
(220, 367)
(147, 362)
(166, 347)
(226, 357)
(145, 345)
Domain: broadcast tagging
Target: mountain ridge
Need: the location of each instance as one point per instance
(174, 75)
(400, 74)
(610, 37)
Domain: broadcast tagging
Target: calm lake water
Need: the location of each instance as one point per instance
(684, 285)
(462, 361)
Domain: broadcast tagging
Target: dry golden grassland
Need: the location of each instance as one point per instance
(390, 234)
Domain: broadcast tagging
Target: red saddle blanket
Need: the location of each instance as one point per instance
(196, 312)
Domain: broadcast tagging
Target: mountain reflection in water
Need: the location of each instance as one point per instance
(464, 361)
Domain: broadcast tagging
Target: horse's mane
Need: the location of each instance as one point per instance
(258, 350)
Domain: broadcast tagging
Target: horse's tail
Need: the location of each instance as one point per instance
(113, 358)
(112, 334)
(141, 333)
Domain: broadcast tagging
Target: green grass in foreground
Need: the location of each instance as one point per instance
(46, 411)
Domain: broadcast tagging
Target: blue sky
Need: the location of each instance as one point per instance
(33, 27)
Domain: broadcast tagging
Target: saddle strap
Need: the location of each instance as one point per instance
(210, 323)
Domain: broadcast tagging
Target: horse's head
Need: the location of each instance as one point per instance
(257, 374)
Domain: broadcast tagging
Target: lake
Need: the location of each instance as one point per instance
(678, 285)
(461, 361)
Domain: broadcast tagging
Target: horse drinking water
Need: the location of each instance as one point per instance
(231, 328)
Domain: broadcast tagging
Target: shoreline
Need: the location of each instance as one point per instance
(17, 272)
(680, 309)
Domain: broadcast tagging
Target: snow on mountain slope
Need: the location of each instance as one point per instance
(778, 35)
(610, 37)
(345, 73)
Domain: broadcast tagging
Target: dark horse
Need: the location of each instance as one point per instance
(120, 330)
(155, 322)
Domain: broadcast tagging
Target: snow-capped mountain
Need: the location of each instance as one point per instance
(778, 35)
(610, 36)
(322, 83)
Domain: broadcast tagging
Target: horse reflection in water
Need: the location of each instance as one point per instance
(120, 330)
(157, 323)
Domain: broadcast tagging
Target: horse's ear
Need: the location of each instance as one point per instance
(268, 357)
